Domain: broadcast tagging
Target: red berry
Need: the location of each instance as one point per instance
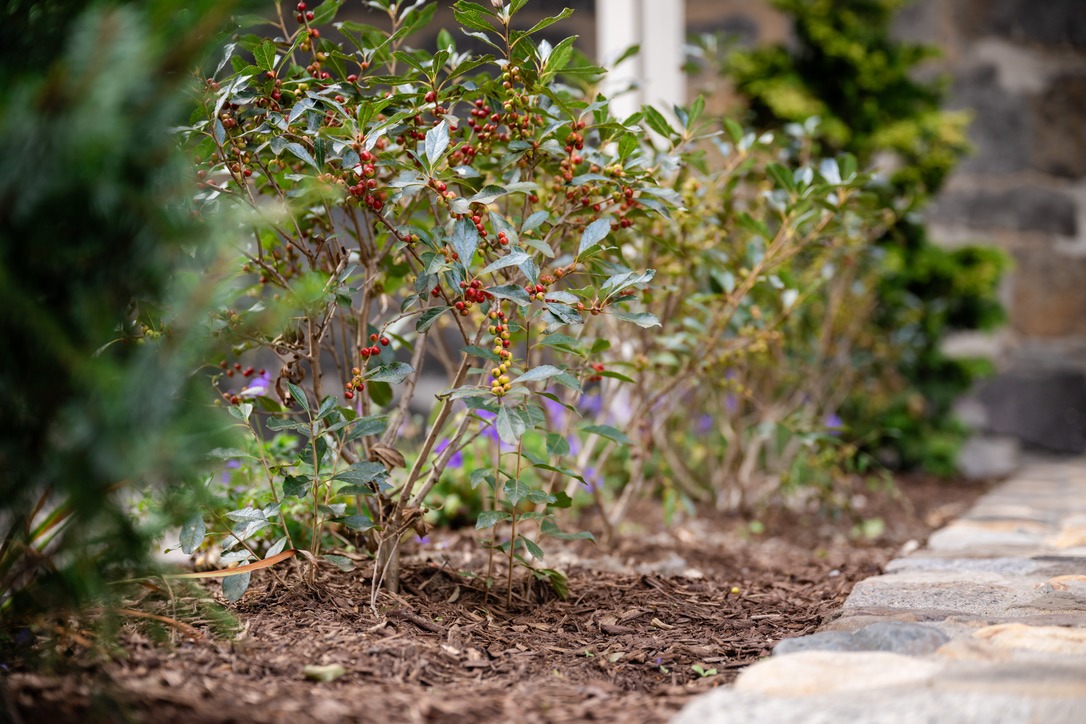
(374, 351)
(385, 341)
(430, 97)
(349, 395)
(301, 7)
(374, 337)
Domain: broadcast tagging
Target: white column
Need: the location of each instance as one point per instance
(659, 27)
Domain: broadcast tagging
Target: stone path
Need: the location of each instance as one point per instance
(986, 624)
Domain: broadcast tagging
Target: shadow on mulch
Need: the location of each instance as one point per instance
(663, 615)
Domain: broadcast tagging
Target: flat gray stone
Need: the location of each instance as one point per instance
(893, 636)
(727, 706)
(978, 594)
(1008, 566)
(989, 457)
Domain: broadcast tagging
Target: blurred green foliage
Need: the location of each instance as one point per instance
(846, 69)
(97, 240)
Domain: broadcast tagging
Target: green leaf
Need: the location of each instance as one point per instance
(489, 518)
(299, 151)
(511, 259)
(510, 425)
(298, 395)
(364, 426)
(593, 234)
(360, 473)
(241, 411)
(437, 140)
(328, 405)
(536, 374)
(549, 527)
(480, 352)
(279, 423)
(428, 317)
(547, 22)
(516, 491)
(641, 319)
(609, 432)
(234, 587)
(325, 12)
(535, 220)
(511, 292)
(465, 240)
(193, 531)
(532, 547)
(264, 55)
(380, 393)
(357, 522)
(341, 562)
(296, 486)
(657, 122)
(557, 444)
(558, 580)
(393, 373)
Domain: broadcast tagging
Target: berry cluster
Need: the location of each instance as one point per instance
(500, 384)
(355, 383)
(473, 294)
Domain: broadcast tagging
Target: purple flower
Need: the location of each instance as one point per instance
(556, 412)
(705, 424)
(230, 465)
(257, 387)
(593, 478)
(833, 423)
(591, 404)
(456, 460)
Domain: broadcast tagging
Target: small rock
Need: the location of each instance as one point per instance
(822, 672)
(1046, 639)
(324, 674)
(893, 636)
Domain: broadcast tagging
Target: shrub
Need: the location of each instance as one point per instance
(485, 214)
(95, 234)
(846, 70)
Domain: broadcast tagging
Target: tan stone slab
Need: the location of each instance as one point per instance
(827, 672)
(1047, 639)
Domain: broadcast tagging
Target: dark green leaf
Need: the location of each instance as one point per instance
(532, 547)
(372, 425)
(428, 317)
(298, 395)
(393, 373)
(296, 485)
(360, 473)
(264, 54)
(357, 522)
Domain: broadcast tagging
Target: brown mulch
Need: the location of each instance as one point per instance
(640, 616)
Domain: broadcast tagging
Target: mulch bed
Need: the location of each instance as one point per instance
(640, 620)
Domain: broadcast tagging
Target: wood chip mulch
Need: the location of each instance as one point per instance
(648, 623)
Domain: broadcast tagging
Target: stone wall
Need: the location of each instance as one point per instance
(1020, 67)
